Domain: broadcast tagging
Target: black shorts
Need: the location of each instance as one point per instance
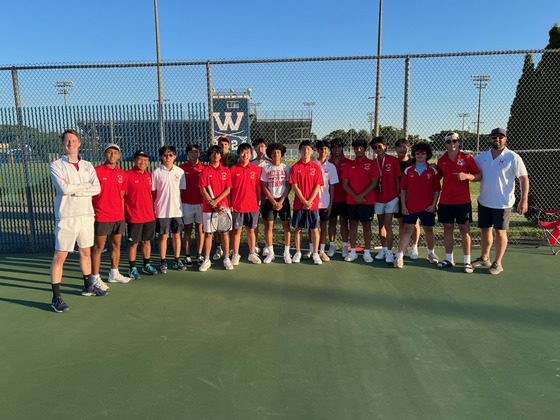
(324, 215)
(268, 213)
(451, 213)
(306, 219)
(248, 219)
(339, 208)
(169, 225)
(426, 218)
(138, 232)
(109, 228)
(497, 218)
(361, 212)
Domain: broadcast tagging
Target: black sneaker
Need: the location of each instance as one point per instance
(188, 262)
(178, 265)
(59, 305)
(199, 260)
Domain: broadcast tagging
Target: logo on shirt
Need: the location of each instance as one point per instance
(224, 176)
(460, 162)
(429, 175)
(367, 166)
(253, 175)
(388, 167)
(312, 171)
(177, 177)
(120, 179)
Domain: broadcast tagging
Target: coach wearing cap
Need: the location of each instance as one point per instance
(499, 167)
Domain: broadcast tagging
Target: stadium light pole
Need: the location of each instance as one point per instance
(309, 106)
(480, 82)
(160, 87)
(255, 105)
(378, 78)
(64, 88)
(463, 115)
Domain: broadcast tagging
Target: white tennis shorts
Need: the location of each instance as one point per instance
(70, 230)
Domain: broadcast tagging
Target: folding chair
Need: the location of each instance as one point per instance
(549, 221)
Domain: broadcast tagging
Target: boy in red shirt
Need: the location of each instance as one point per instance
(306, 179)
(338, 210)
(419, 196)
(245, 202)
(457, 169)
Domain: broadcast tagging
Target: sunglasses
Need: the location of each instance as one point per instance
(451, 141)
(420, 152)
(499, 137)
(168, 155)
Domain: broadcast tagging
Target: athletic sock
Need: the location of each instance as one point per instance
(132, 264)
(146, 261)
(163, 261)
(321, 248)
(87, 280)
(430, 252)
(286, 249)
(55, 290)
(467, 259)
(449, 257)
(114, 272)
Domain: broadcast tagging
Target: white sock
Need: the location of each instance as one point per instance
(114, 272)
(286, 249)
(352, 250)
(430, 252)
(384, 249)
(449, 257)
(311, 247)
(331, 244)
(270, 250)
(321, 248)
(344, 245)
(366, 251)
(467, 259)
(399, 255)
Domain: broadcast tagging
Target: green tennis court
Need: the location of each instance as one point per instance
(337, 341)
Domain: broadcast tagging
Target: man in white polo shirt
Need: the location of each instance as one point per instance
(499, 167)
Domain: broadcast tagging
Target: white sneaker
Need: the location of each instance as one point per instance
(414, 254)
(227, 264)
(265, 251)
(344, 252)
(389, 258)
(205, 265)
(287, 258)
(258, 250)
(331, 251)
(100, 283)
(351, 256)
(118, 278)
(317, 259)
(218, 254)
(269, 258)
(398, 263)
(381, 255)
(367, 257)
(235, 259)
(324, 257)
(254, 258)
(297, 257)
(433, 258)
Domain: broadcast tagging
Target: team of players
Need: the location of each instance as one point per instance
(327, 192)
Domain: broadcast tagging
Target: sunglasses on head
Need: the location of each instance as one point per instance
(451, 141)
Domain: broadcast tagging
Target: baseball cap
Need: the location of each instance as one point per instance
(112, 146)
(224, 138)
(497, 131)
(139, 153)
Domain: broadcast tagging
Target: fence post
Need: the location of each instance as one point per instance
(406, 96)
(210, 103)
(29, 199)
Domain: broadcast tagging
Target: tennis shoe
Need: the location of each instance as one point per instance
(199, 260)
(296, 258)
(178, 265)
(254, 258)
(389, 258)
(269, 258)
(331, 251)
(317, 259)
(287, 258)
(149, 270)
(59, 305)
(414, 254)
(351, 256)
(227, 263)
(235, 258)
(324, 257)
(96, 289)
(481, 262)
(258, 250)
(367, 256)
(100, 284)
(218, 254)
(163, 269)
(307, 255)
(399, 262)
(433, 258)
(205, 265)
(265, 251)
(118, 278)
(381, 255)
(188, 262)
(133, 273)
(496, 268)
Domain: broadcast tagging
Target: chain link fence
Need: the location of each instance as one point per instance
(287, 100)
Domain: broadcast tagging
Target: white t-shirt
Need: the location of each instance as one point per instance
(168, 184)
(276, 178)
(497, 187)
(330, 177)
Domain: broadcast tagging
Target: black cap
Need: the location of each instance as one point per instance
(141, 153)
(497, 131)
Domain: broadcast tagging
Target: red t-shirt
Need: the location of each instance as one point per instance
(191, 195)
(390, 170)
(138, 202)
(454, 191)
(339, 192)
(420, 188)
(245, 187)
(306, 176)
(359, 174)
(218, 179)
(108, 204)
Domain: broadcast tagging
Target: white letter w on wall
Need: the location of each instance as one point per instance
(228, 124)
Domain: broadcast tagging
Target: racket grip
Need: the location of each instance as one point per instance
(209, 189)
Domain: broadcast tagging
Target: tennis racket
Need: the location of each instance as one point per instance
(221, 217)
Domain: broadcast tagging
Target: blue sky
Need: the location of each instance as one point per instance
(63, 31)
